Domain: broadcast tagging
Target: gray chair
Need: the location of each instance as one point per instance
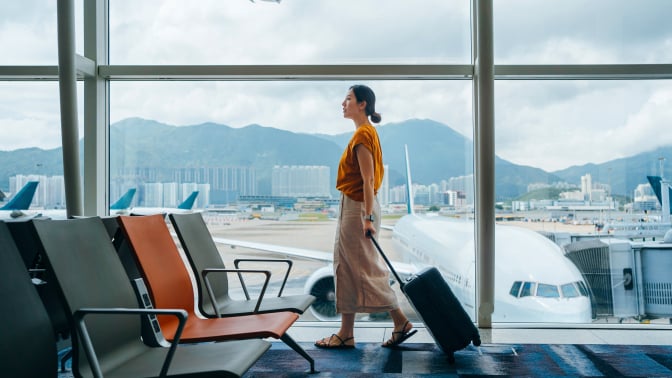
(28, 343)
(203, 255)
(22, 232)
(99, 297)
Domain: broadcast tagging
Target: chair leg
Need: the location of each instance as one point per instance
(292, 344)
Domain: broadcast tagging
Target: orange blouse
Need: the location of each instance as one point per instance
(349, 180)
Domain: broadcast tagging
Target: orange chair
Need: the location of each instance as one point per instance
(170, 286)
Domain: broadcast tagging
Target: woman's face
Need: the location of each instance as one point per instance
(350, 106)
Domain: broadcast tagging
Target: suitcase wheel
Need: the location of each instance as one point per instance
(476, 341)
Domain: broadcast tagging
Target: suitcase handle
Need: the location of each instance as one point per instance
(387, 261)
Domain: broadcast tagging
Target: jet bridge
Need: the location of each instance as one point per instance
(626, 278)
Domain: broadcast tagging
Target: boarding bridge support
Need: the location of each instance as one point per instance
(665, 200)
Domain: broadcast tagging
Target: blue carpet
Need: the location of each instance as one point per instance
(488, 360)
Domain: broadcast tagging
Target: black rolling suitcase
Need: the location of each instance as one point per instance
(439, 309)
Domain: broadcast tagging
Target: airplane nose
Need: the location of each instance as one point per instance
(575, 310)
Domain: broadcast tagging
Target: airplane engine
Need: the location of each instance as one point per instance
(320, 284)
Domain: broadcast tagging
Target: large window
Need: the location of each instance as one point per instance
(241, 101)
(30, 147)
(255, 151)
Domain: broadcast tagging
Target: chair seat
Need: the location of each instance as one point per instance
(206, 360)
(234, 328)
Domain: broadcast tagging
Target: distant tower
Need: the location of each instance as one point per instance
(586, 185)
(664, 193)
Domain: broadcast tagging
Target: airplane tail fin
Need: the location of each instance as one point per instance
(409, 186)
(189, 202)
(124, 202)
(654, 181)
(22, 199)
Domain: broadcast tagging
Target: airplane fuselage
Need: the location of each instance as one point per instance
(534, 281)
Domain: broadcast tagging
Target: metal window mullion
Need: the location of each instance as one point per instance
(96, 110)
(484, 162)
(68, 105)
(286, 72)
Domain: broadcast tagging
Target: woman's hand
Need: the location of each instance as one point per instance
(369, 228)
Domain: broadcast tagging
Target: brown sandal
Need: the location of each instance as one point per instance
(340, 344)
(399, 337)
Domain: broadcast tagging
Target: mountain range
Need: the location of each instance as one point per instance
(436, 151)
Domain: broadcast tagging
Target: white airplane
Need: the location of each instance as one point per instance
(14, 208)
(534, 281)
(185, 207)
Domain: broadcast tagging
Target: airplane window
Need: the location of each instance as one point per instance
(547, 291)
(515, 288)
(569, 291)
(582, 288)
(528, 289)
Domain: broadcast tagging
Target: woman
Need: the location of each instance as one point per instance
(360, 275)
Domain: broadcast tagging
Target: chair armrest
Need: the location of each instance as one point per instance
(78, 317)
(205, 272)
(289, 263)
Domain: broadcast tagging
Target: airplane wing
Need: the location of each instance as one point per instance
(403, 269)
(310, 254)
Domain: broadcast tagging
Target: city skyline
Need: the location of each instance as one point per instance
(455, 192)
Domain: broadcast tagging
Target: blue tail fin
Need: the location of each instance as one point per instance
(189, 202)
(654, 181)
(22, 199)
(124, 202)
(409, 186)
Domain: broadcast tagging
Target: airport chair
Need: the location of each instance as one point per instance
(96, 293)
(205, 260)
(170, 286)
(22, 232)
(121, 245)
(28, 343)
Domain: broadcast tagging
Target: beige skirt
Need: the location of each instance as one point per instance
(362, 279)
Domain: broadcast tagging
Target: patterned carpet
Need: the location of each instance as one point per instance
(488, 360)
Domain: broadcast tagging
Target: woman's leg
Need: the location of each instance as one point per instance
(401, 323)
(345, 336)
(347, 326)
(402, 328)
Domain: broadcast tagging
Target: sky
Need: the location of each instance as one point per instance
(596, 121)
